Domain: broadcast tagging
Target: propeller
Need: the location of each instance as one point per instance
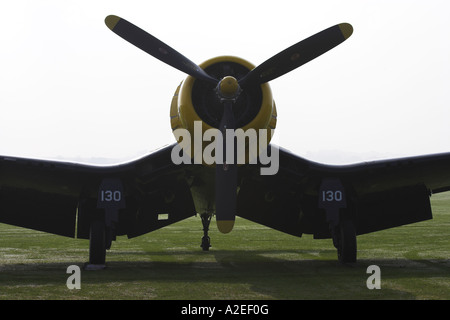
(298, 54)
(229, 88)
(155, 47)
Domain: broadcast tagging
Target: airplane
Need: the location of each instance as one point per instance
(337, 202)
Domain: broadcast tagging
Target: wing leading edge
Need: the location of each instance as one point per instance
(63, 198)
(376, 195)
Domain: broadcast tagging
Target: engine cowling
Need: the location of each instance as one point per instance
(197, 102)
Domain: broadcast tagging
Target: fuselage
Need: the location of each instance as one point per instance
(195, 114)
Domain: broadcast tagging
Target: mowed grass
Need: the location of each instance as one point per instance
(252, 262)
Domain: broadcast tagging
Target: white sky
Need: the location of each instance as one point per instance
(71, 89)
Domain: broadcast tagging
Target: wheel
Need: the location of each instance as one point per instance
(347, 242)
(206, 243)
(97, 248)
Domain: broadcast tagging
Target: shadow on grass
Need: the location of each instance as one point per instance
(236, 274)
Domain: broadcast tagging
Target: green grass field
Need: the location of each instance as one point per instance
(252, 262)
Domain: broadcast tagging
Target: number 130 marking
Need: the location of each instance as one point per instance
(108, 195)
(329, 195)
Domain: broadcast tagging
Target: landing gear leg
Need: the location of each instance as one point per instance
(206, 241)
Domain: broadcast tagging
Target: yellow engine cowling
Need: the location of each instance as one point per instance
(196, 102)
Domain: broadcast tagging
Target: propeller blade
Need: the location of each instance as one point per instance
(297, 55)
(155, 47)
(226, 178)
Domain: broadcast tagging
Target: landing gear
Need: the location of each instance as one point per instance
(206, 241)
(103, 216)
(333, 198)
(344, 239)
(97, 246)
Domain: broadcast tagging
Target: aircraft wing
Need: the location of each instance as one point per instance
(48, 195)
(383, 194)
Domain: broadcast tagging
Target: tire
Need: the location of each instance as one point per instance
(97, 248)
(206, 243)
(347, 242)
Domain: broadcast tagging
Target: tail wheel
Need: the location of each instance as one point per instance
(206, 243)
